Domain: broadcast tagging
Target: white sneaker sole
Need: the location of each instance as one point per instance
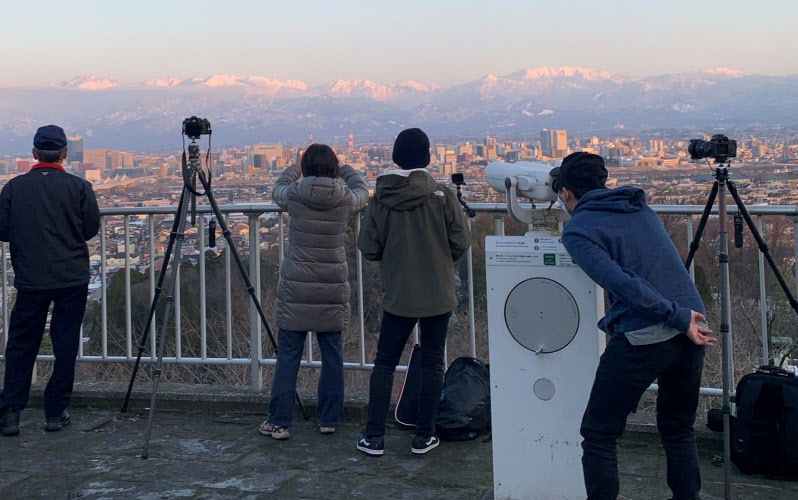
(369, 451)
(421, 451)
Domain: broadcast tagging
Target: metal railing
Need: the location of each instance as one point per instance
(253, 213)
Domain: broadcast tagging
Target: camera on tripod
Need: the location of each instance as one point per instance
(719, 147)
(195, 127)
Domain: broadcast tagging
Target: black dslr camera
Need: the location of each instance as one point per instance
(194, 127)
(720, 148)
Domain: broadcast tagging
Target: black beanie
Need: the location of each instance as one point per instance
(580, 172)
(411, 149)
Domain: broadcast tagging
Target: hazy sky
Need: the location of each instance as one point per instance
(440, 42)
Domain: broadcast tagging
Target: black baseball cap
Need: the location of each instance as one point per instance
(50, 138)
(579, 172)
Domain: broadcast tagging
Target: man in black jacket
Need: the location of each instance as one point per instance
(415, 228)
(47, 215)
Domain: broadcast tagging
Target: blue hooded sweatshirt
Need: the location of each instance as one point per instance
(619, 242)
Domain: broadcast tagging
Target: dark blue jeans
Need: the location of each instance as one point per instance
(394, 332)
(331, 381)
(624, 373)
(25, 331)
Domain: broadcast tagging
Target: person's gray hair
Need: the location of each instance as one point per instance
(49, 156)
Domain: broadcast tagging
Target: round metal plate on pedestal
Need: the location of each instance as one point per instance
(541, 315)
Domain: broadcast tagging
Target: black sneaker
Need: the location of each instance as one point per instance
(423, 444)
(9, 423)
(58, 423)
(374, 446)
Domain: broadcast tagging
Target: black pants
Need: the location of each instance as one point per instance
(25, 331)
(394, 333)
(624, 373)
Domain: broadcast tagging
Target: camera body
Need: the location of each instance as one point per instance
(719, 147)
(195, 127)
(458, 179)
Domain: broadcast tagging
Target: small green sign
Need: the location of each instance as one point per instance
(549, 259)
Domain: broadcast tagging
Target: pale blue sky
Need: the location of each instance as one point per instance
(440, 42)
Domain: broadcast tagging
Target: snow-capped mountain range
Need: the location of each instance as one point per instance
(260, 109)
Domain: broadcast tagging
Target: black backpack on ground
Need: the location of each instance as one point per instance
(465, 401)
(764, 435)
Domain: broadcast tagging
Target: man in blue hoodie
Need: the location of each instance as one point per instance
(655, 320)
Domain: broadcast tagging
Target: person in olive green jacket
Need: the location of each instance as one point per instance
(415, 228)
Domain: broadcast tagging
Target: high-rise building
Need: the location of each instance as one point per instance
(554, 143)
(545, 142)
(351, 142)
(97, 157)
(559, 143)
(270, 152)
(440, 153)
(260, 161)
(75, 152)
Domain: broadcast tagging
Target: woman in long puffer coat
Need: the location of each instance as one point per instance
(313, 289)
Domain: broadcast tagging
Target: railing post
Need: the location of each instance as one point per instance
(203, 291)
(472, 330)
(228, 295)
(103, 288)
(763, 300)
(360, 314)
(153, 257)
(254, 320)
(128, 307)
(498, 224)
(690, 242)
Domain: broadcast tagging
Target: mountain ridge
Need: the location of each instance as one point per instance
(259, 108)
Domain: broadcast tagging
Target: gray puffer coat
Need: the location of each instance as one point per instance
(313, 290)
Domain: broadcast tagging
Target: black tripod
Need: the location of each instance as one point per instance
(192, 171)
(719, 187)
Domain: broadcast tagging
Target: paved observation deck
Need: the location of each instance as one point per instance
(197, 454)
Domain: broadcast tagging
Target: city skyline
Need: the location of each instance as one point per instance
(440, 43)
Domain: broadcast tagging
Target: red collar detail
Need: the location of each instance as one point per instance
(48, 165)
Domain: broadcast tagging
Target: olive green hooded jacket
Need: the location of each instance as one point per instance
(415, 228)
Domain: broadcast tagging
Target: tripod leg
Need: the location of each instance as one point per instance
(725, 329)
(701, 225)
(305, 414)
(241, 269)
(763, 247)
(145, 332)
(165, 323)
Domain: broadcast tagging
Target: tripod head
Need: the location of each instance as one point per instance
(458, 180)
(194, 128)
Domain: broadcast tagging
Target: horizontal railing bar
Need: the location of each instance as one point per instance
(201, 209)
(478, 207)
(662, 209)
(704, 391)
(208, 361)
